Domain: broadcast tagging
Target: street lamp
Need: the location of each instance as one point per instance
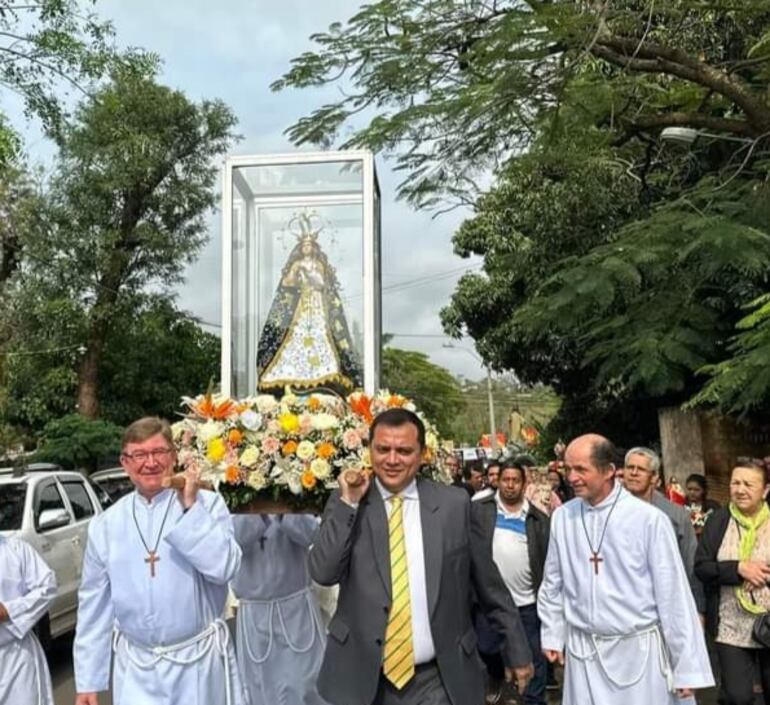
(688, 135)
(490, 399)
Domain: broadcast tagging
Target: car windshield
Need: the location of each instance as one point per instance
(11, 506)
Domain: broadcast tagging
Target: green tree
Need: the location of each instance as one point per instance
(432, 388)
(52, 48)
(615, 266)
(127, 206)
(152, 359)
(76, 442)
(153, 354)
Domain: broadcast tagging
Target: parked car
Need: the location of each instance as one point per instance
(113, 481)
(51, 508)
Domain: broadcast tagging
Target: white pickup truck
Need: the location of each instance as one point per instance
(50, 509)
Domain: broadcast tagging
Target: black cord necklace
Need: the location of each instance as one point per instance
(595, 558)
(152, 555)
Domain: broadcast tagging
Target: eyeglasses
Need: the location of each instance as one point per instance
(142, 456)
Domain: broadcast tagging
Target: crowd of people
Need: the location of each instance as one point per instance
(477, 592)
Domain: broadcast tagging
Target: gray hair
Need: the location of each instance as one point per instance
(648, 453)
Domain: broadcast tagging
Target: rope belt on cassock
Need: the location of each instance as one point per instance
(275, 605)
(216, 636)
(652, 632)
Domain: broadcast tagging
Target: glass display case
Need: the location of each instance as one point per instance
(301, 273)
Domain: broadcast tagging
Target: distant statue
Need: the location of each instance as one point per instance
(305, 342)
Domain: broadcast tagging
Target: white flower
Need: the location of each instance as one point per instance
(305, 450)
(210, 430)
(178, 429)
(431, 441)
(295, 483)
(256, 480)
(324, 422)
(251, 420)
(320, 469)
(249, 457)
(266, 403)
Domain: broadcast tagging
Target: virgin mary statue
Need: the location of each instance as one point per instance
(305, 342)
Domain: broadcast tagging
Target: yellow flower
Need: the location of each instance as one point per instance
(308, 480)
(305, 450)
(216, 450)
(320, 469)
(289, 423)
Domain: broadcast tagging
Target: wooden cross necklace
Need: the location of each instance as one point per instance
(595, 557)
(152, 555)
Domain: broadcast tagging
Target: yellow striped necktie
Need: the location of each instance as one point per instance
(398, 660)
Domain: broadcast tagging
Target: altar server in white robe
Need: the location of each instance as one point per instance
(280, 641)
(615, 603)
(154, 586)
(27, 586)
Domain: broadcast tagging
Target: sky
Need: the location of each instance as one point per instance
(234, 50)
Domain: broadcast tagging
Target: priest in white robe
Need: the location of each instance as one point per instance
(280, 641)
(27, 586)
(615, 603)
(154, 586)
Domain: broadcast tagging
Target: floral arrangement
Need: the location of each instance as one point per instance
(288, 450)
(698, 517)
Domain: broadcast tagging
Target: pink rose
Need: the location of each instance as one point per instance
(351, 439)
(305, 424)
(270, 445)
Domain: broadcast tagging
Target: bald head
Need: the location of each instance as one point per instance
(590, 469)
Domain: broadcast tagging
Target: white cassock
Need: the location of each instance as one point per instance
(27, 585)
(171, 644)
(280, 641)
(630, 631)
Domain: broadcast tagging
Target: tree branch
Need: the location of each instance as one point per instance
(654, 58)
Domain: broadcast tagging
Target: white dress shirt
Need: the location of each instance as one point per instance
(424, 648)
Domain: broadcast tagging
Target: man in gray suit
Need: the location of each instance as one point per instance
(640, 478)
(409, 558)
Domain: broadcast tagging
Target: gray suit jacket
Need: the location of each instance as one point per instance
(352, 549)
(687, 541)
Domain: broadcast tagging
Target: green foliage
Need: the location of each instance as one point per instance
(741, 383)
(52, 48)
(76, 442)
(434, 390)
(154, 357)
(127, 205)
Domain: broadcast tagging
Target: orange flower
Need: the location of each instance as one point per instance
(361, 405)
(313, 404)
(308, 480)
(289, 448)
(234, 437)
(232, 474)
(209, 409)
(396, 401)
(325, 450)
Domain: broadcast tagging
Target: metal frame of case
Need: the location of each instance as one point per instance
(368, 196)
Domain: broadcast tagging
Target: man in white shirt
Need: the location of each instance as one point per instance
(518, 533)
